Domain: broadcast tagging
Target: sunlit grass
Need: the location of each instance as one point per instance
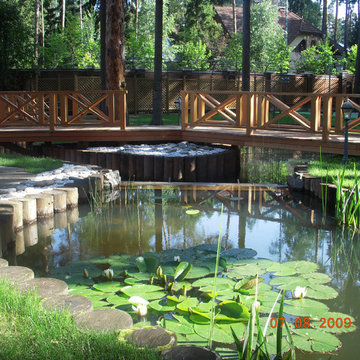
(27, 331)
(30, 164)
(333, 166)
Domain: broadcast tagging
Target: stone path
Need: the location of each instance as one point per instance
(12, 176)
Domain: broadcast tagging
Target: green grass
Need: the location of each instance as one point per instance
(27, 331)
(334, 166)
(145, 119)
(30, 164)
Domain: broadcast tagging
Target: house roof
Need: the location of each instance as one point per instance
(296, 24)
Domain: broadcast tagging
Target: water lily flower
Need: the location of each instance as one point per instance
(140, 309)
(257, 305)
(137, 300)
(177, 258)
(299, 292)
(109, 273)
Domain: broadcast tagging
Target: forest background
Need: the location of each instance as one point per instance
(65, 34)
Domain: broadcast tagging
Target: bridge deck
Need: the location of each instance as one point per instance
(292, 140)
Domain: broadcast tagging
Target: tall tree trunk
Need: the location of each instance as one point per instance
(115, 45)
(36, 34)
(81, 15)
(103, 43)
(357, 67)
(43, 31)
(346, 29)
(63, 10)
(234, 16)
(245, 86)
(324, 19)
(157, 92)
(336, 20)
(136, 18)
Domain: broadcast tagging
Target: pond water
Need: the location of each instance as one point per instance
(148, 219)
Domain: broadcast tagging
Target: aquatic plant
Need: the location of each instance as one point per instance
(186, 299)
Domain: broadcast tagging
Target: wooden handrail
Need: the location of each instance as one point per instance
(54, 109)
(251, 110)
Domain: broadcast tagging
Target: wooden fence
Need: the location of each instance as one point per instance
(139, 84)
(60, 108)
(311, 113)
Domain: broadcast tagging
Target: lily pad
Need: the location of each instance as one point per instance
(210, 281)
(243, 271)
(289, 282)
(239, 253)
(219, 334)
(189, 302)
(234, 311)
(141, 290)
(117, 300)
(317, 278)
(198, 272)
(321, 292)
(179, 328)
(162, 305)
(182, 271)
(320, 341)
(336, 325)
(108, 286)
(305, 307)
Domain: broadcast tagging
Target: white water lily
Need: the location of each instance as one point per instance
(257, 305)
(109, 273)
(299, 292)
(137, 300)
(177, 258)
(140, 309)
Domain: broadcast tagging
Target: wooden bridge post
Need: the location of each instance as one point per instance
(111, 107)
(184, 109)
(63, 109)
(249, 112)
(122, 109)
(339, 100)
(201, 108)
(193, 108)
(263, 111)
(327, 115)
(238, 111)
(315, 113)
(52, 110)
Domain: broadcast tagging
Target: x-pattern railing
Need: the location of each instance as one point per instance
(56, 109)
(268, 111)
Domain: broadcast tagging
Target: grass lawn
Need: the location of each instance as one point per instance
(30, 164)
(27, 331)
(145, 119)
(334, 167)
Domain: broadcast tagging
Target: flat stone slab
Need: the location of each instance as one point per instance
(104, 320)
(154, 337)
(46, 287)
(3, 263)
(190, 352)
(75, 304)
(16, 274)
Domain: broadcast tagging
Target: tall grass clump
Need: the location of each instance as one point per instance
(27, 331)
(254, 346)
(347, 205)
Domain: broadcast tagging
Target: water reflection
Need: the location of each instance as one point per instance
(147, 219)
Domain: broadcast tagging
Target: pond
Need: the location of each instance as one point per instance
(148, 220)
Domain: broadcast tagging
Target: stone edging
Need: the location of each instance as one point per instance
(302, 181)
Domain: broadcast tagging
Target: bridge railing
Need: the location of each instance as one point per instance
(63, 108)
(311, 113)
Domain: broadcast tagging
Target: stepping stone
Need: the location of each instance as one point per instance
(151, 337)
(3, 263)
(46, 287)
(190, 352)
(16, 274)
(75, 304)
(104, 320)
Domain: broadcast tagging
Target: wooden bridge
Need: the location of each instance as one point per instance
(279, 120)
